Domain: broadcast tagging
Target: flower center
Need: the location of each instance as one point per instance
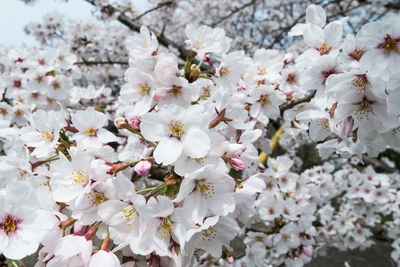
(165, 228)
(206, 190)
(357, 54)
(326, 74)
(389, 45)
(95, 198)
(79, 178)
(175, 91)
(3, 111)
(209, 234)
(144, 89)
(46, 136)
(264, 100)
(262, 71)
(360, 81)
(324, 123)
(324, 49)
(197, 45)
(128, 215)
(17, 83)
(39, 79)
(9, 225)
(364, 110)
(291, 78)
(91, 131)
(224, 71)
(176, 128)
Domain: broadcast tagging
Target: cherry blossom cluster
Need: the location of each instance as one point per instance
(171, 170)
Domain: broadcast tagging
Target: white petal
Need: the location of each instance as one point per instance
(153, 127)
(168, 151)
(196, 143)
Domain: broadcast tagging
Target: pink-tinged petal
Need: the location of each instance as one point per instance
(196, 143)
(167, 151)
(153, 127)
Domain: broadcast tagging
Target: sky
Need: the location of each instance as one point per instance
(15, 14)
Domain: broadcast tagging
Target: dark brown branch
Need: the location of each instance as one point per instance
(101, 62)
(232, 13)
(295, 102)
(393, 5)
(376, 163)
(160, 5)
(135, 26)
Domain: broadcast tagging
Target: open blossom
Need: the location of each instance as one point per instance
(143, 45)
(205, 40)
(177, 130)
(382, 39)
(22, 224)
(208, 144)
(72, 180)
(90, 125)
(43, 133)
(206, 191)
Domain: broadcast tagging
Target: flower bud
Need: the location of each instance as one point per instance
(307, 251)
(143, 167)
(134, 123)
(237, 164)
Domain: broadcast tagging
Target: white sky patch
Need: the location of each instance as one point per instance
(15, 15)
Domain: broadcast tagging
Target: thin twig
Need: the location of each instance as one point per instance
(160, 5)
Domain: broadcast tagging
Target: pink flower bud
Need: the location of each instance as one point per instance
(289, 94)
(119, 122)
(230, 259)
(307, 251)
(134, 123)
(346, 127)
(237, 164)
(234, 150)
(143, 167)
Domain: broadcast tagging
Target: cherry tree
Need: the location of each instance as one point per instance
(166, 137)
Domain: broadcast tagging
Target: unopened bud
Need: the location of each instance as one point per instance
(171, 180)
(230, 259)
(307, 251)
(237, 164)
(134, 123)
(143, 167)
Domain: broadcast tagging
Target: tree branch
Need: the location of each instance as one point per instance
(295, 102)
(135, 26)
(376, 163)
(160, 5)
(232, 13)
(101, 62)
